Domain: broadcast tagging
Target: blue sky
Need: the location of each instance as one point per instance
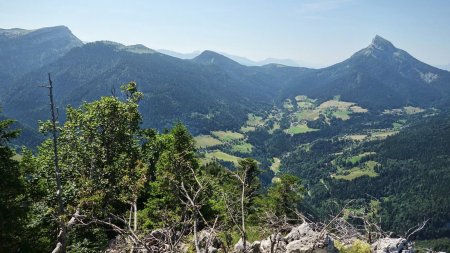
(312, 32)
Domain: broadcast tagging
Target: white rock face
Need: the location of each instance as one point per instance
(303, 239)
(428, 77)
(208, 240)
(300, 246)
(280, 244)
(299, 232)
(239, 247)
(389, 245)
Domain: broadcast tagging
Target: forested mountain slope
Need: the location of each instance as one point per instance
(406, 174)
(205, 96)
(22, 51)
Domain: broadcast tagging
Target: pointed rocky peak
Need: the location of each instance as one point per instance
(381, 43)
(212, 58)
(380, 48)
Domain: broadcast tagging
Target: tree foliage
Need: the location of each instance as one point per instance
(11, 192)
(119, 179)
(284, 196)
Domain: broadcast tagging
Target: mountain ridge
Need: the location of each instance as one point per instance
(22, 51)
(376, 76)
(203, 91)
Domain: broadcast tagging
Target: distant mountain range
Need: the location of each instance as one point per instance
(210, 91)
(239, 59)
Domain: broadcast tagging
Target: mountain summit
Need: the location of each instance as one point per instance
(22, 51)
(379, 48)
(381, 43)
(208, 57)
(377, 76)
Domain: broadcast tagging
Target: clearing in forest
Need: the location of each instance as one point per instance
(220, 155)
(206, 141)
(227, 136)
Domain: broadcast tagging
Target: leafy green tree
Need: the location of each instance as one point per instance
(175, 165)
(240, 203)
(284, 196)
(177, 194)
(11, 192)
(39, 233)
(103, 172)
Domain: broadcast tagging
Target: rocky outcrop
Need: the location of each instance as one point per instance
(239, 247)
(391, 245)
(275, 241)
(209, 242)
(304, 239)
(301, 239)
(304, 230)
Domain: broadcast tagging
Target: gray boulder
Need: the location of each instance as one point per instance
(278, 240)
(384, 245)
(304, 239)
(301, 231)
(210, 241)
(300, 246)
(239, 247)
(212, 249)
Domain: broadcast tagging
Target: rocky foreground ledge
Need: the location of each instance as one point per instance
(301, 239)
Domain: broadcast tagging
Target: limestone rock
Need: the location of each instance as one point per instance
(389, 245)
(303, 230)
(212, 249)
(304, 239)
(210, 241)
(239, 247)
(280, 244)
(304, 245)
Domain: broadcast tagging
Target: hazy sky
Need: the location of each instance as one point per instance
(312, 32)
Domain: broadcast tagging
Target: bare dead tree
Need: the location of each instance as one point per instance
(340, 228)
(193, 204)
(193, 201)
(118, 224)
(240, 221)
(416, 228)
(170, 237)
(62, 229)
(281, 224)
(370, 229)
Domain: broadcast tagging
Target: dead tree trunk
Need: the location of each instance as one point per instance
(62, 230)
(244, 233)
